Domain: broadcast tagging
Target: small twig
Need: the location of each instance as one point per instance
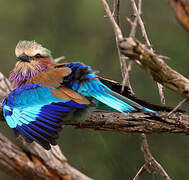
(56, 60)
(151, 164)
(132, 34)
(116, 11)
(163, 57)
(123, 65)
(160, 88)
(114, 19)
(145, 36)
(133, 27)
(126, 78)
(177, 107)
(135, 22)
(115, 26)
(122, 61)
(143, 30)
(140, 172)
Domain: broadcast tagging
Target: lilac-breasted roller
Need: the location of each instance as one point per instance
(46, 95)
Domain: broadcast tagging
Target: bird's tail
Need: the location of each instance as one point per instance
(115, 86)
(102, 93)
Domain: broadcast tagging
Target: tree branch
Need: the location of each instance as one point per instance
(151, 164)
(159, 70)
(131, 123)
(33, 162)
(136, 122)
(140, 172)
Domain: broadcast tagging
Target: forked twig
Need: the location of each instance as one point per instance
(151, 164)
(142, 27)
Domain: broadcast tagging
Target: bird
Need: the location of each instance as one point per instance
(46, 94)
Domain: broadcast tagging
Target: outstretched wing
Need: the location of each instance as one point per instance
(36, 112)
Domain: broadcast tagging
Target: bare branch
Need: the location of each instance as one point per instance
(135, 22)
(137, 13)
(116, 11)
(157, 166)
(160, 88)
(36, 163)
(140, 172)
(143, 30)
(114, 19)
(150, 162)
(126, 79)
(159, 70)
(122, 61)
(177, 107)
(134, 123)
(58, 59)
(115, 26)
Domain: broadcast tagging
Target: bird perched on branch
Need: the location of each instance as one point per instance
(47, 95)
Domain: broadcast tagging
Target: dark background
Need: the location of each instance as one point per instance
(78, 30)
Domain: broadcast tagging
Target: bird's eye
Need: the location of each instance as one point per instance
(38, 56)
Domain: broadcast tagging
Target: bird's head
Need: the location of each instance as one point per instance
(32, 58)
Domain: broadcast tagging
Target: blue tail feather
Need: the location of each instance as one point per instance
(102, 93)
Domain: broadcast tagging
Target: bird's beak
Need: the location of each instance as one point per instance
(24, 58)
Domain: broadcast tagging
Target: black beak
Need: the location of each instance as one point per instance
(23, 57)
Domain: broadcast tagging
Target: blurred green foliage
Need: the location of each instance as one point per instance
(79, 31)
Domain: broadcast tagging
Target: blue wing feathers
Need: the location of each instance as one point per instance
(99, 91)
(34, 112)
(96, 89)
(40, 135)
(84, 80)
(33, 126)
(49, 121)
(32, 137)
(39, 117)
(42, 128)
(33, 132)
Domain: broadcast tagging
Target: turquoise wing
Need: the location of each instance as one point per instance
(85, 81)
(35, 113)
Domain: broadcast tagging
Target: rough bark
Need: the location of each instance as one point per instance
(134, 122)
